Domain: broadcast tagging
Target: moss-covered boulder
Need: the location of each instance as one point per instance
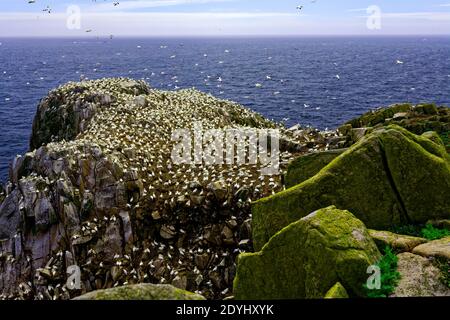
(307, 258)
(141, 292)
(417, 119)
(337, 292)
(391, 177)
(372, 118)
(398, 242)
(307, 166)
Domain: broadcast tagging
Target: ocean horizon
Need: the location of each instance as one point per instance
(319, 81)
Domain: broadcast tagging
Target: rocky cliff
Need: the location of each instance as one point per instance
(99, 190)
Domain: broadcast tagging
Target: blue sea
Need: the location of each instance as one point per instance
(316, 81)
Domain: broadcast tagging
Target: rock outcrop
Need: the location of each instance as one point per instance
(307, 258)
(99, 189)
(419, 278)
(307, 166)
(390, 177)
(437, 249)
(417, 119)
(99, 192)
(337, 292)
(400, 243)
(143, 291)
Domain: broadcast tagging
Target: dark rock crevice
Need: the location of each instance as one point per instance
(403, 210)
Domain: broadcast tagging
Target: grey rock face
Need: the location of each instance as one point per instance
(99, 190)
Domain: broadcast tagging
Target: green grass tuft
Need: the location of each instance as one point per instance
(444, 266)
(424, 231)
(408, 230)
(432, 233)
(389, 275)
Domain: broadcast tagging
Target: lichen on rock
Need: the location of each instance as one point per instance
(141, 292)
(419, 278)
(307, 258)
(437, 248)
(400, 243)
(391, 177)
(415, 118)
(307, 166)
(337, 292)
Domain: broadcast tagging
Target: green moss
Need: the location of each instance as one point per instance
(373, 118)
(400, 243)
(308, 257)
(141, 292)
(427, 109)
(444, 266)
(305, 167)
(445, 136)
(391, 177)
(389, 275)
(337, 292)
(432, 233)
(427, 231)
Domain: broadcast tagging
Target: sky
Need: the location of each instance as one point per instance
(223, 17)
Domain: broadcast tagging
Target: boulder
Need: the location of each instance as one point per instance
(307, 258)
(141, 292)
(440, 224)
(399, 243)
(391, 177)
(375, 117)
(307, 166)
(419, 278)
(57, 120)
(437, 248)
(417, 119)
(337, 292)
(9, 215)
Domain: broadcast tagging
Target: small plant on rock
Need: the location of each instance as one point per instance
(432, 233)
(408, 230)
(389, 276)
(444, 266)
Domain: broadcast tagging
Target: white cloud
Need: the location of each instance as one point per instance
(149, 23)
(121, 23)
(147, 4)
(435, 16)
(357, 10)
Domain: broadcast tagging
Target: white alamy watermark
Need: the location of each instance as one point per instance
(227, 147)
(73, 278)
(374, 18)
(374, 280)
(73, 21)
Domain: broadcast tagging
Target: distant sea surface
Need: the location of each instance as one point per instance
(290, 79)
